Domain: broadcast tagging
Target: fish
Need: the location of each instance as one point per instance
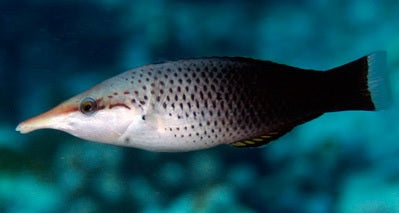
(193, 104)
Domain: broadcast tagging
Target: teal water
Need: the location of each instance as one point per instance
(52, 50)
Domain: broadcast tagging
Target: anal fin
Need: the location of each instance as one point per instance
(274, 134)
(260, 140)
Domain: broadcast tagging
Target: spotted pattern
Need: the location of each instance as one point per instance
(212, 101)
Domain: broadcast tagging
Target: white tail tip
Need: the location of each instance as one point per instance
(378, 80)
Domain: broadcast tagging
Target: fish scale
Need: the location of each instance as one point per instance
(200, 103)
(220, 108)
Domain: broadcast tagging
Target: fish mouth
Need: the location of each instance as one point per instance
(48, 120)
(32, 124)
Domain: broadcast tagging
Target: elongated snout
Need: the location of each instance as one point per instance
(47, 120)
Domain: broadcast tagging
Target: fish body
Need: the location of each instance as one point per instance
(200, 103)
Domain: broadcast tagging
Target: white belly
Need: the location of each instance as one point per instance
(163, 134)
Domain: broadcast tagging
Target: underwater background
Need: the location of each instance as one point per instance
(52, 50)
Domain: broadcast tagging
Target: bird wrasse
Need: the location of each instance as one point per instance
(200, 103)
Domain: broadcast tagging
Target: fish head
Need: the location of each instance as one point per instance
(93, 115)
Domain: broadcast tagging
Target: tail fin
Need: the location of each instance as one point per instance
(378, 80)
(362, 84)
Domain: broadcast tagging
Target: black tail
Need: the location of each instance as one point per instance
(359, 85)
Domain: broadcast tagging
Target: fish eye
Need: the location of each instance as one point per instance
(88, 106)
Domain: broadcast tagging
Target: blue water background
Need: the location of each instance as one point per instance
(52, 50)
